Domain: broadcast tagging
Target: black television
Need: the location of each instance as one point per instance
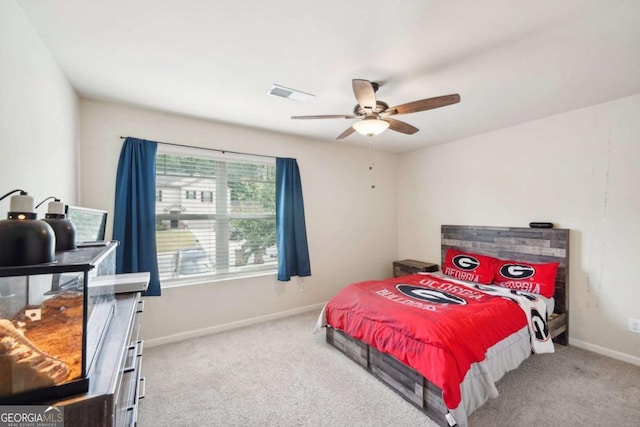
(90, 224)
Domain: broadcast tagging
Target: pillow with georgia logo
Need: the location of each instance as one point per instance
(526, 276)
(468, 266)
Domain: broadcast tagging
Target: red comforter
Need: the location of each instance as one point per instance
(437, 327)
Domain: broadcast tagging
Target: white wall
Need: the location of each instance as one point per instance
(38, 115)
(351, 227)
(578, 170)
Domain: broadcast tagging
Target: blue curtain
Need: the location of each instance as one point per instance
(293, 250)
(135, 205)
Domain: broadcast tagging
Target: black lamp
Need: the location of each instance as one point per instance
(24, 239)
(63, 228)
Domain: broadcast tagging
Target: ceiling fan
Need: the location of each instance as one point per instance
(375, 115)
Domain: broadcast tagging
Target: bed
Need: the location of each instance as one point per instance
(420, 372)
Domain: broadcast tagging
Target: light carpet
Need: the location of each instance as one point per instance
(279, 373)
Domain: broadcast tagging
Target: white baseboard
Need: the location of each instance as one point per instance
(229, 326)
(605, 351)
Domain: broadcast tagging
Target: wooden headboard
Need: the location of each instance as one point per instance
(539, 245)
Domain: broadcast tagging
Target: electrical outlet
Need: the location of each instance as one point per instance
(634, 325)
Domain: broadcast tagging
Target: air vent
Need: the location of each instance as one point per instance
(284, 92)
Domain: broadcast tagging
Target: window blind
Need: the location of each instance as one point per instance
(215, 213)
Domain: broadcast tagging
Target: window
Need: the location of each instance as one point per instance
(231, 231)
(206, 197)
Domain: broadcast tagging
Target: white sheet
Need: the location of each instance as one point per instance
(478, 385)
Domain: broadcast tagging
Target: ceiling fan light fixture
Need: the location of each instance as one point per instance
(369, 110)
(371, 126)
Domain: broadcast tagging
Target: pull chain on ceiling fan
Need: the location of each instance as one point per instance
(375, 115)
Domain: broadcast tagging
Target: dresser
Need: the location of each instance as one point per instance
(116, 384)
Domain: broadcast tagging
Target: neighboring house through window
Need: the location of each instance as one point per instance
(230, 230)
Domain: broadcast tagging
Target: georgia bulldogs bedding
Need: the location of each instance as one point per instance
(437, 325)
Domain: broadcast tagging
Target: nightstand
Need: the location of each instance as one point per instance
(411, 266)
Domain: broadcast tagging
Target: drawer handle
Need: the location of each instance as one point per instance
(133, 409)
(132, 365)
(140, 306)
(142, 389)
(139, 344)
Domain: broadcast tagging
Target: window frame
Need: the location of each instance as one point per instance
(209, 198)
(221, 221)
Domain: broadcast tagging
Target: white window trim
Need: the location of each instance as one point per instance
(229, 275)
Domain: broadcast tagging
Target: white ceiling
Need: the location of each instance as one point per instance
(510, 61)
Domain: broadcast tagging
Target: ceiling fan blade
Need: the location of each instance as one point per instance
(424, 104)
(327, 116)
(346, 133)
(365, 93)
(402, 127)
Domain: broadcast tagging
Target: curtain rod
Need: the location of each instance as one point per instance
(202, 148)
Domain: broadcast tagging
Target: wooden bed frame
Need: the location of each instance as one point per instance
(520, 244)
